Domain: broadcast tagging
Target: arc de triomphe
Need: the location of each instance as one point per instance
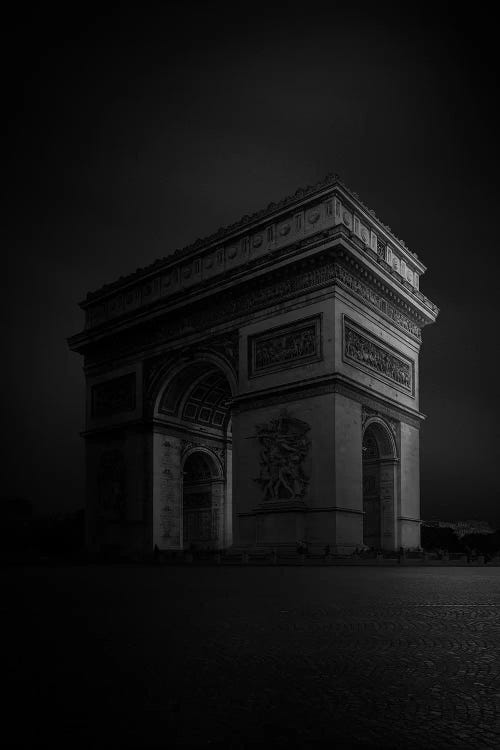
(259, 387)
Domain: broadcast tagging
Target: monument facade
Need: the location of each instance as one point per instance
(259, 387)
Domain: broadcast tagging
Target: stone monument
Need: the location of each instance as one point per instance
(259, 387)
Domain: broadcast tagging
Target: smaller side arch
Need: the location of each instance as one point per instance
(213, 460)
(382, 433)
(380, 485)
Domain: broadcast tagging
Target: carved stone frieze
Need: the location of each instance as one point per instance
(302, 193)
(241, 302)
(284, 447)
(331, 385)
(361, 349)
(285, 346)
(369, 295)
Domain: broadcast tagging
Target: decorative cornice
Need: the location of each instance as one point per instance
(249, 223)
(332, 384)
(367, 291)
(303, 277)
(225, 282)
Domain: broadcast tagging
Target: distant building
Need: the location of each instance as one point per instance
(462, 528)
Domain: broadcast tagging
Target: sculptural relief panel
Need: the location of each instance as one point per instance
(286, 346)
(284, 447)
(368, 353)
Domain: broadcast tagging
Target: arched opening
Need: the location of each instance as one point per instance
(379, 487)
(201, 502)
(193, 458)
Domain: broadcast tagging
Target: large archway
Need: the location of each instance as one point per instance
(192, 461)
(379, 487)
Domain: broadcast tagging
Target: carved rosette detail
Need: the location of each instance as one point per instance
(313, 217)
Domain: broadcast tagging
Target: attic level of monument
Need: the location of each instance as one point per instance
(259, 387)
(181, 322)
(328, 211)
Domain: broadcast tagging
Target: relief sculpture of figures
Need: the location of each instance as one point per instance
(362, 350)
(287, 347)
(284, 446)
(297, 343)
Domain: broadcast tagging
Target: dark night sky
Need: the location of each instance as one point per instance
(131, 135)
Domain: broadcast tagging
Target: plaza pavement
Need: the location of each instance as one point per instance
(331, 657)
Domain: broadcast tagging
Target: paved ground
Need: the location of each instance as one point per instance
(289, 657)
